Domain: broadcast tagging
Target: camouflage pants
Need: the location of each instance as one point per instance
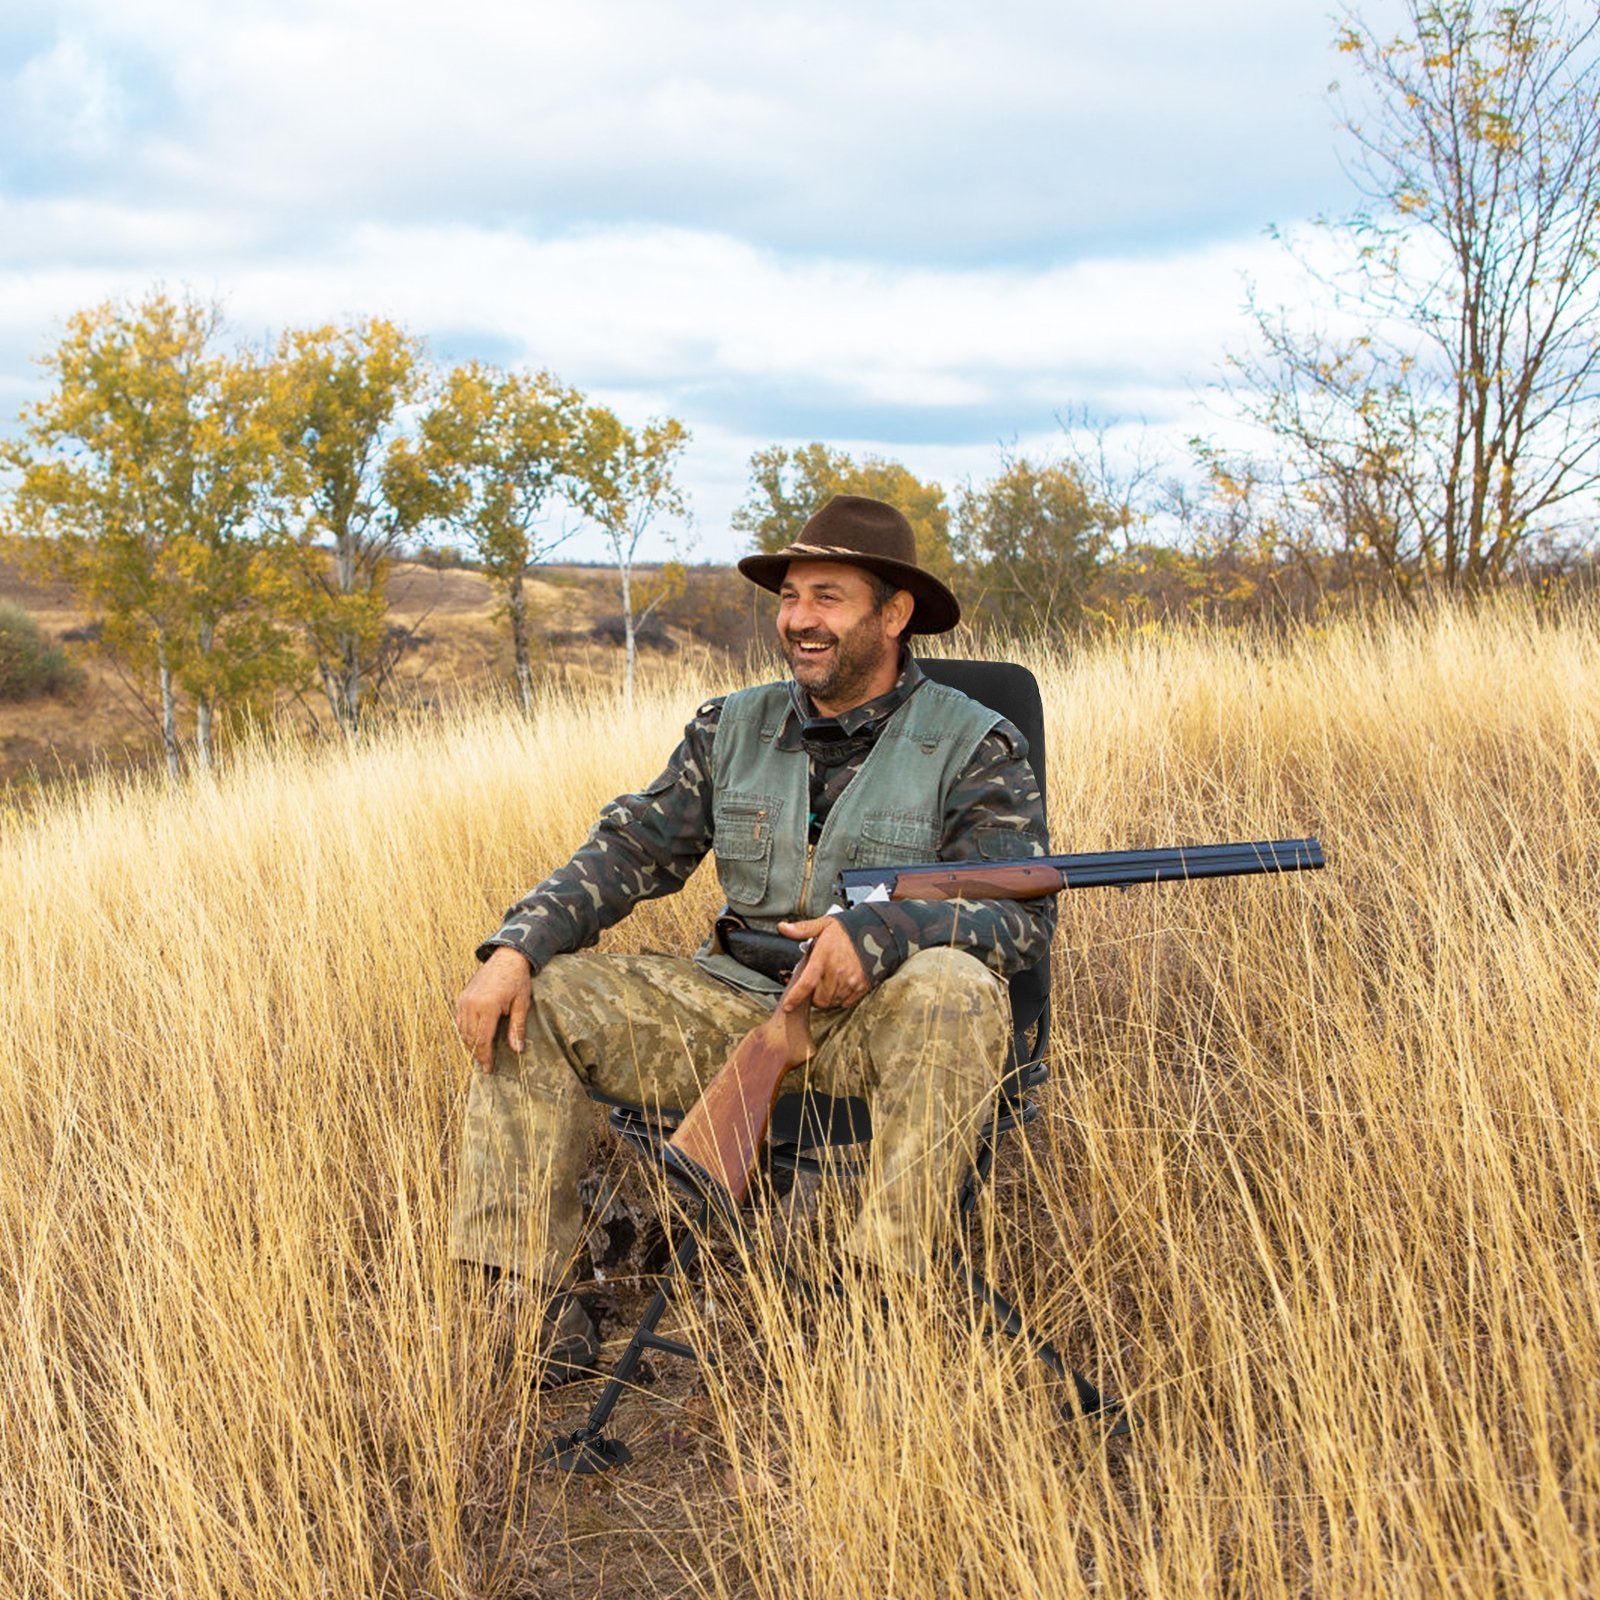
(925, 1048)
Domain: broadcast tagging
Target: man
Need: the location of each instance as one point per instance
(858, 760)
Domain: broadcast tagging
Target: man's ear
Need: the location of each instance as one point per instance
(897, 611)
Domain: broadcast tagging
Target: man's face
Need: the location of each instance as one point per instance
(842, 648)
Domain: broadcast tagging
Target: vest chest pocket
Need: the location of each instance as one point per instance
(742, 839)
(895, 839)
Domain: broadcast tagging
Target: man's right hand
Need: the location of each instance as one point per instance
(499, 988)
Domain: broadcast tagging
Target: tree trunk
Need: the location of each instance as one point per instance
(331, 692)
(205, 705)
(340, 672)
(345, 692)
(204, 713)
(629, 643)
(169, 713)
(517, 605)
(352, 689)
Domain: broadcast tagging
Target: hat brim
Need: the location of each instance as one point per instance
(936, 609)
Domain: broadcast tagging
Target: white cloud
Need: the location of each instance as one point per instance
(662, 308)
(920, 228)
(939, 130)
(744, 345)
(74, 94)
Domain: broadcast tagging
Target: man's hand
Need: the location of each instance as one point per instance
(833, 977)
(499, 988)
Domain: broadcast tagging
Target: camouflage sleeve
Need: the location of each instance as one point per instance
(644, 845)
(994, 812)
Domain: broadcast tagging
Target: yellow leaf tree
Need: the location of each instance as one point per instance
(140, 479)
(622, 480)
(1032, 539)
(355, 490)
(499, 446)
(1459, 420)
(786, 486)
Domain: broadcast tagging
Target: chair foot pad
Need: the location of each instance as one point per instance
(577, 1452)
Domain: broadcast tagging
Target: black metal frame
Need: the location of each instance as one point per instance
(804, 1125)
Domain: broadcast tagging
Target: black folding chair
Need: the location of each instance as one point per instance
(808, 1128)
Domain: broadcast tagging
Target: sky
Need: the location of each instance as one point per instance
(930, 231)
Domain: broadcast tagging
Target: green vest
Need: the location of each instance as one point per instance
(891, 813)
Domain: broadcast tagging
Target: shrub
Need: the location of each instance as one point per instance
(647, 635)
(29, 666)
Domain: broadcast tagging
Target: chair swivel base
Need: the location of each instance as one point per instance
(1114, 1414)
(585, 1451)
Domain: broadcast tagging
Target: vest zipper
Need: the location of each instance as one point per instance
(805, 882)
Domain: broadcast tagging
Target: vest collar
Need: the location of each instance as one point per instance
(865, 719)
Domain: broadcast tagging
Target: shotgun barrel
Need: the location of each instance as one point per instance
(1041, 875)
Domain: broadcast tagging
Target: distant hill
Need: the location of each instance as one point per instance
(454, 644)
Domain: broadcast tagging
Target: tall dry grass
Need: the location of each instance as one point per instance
(1316, 1187)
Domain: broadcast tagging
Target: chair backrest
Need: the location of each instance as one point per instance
(1013, 691)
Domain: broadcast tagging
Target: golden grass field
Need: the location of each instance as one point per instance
(1317, 1186)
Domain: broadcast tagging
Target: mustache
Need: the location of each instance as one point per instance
(811, 636)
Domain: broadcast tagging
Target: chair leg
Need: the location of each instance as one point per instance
(1091, 1402)
(587, 1449)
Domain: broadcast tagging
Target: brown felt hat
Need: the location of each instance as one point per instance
(864, 533)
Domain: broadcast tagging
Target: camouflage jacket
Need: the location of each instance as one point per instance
(646, 845)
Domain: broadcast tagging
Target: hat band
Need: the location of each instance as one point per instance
(848, 550)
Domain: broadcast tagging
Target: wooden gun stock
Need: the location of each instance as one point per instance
(713, 1153)
(1005, 880)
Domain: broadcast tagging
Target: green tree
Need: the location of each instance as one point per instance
(140, 478)
(354, 490)
(1460, 419)
(787, 486)
(1032, 539)
(499, 446)
(622, 480)
(29, 666)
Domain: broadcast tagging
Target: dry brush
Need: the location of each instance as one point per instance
(1316, 1187)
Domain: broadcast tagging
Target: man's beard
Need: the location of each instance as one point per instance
(842, 676)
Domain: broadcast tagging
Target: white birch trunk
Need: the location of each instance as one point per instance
(330, 690)
(169, 713)
(517, 605)
(629, 644)
(204, 715)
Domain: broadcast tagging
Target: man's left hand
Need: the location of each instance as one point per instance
(833, 977)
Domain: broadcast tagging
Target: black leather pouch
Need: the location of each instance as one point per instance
(767, 953)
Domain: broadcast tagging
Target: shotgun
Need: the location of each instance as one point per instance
(1041, 875)
(713, 1152)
